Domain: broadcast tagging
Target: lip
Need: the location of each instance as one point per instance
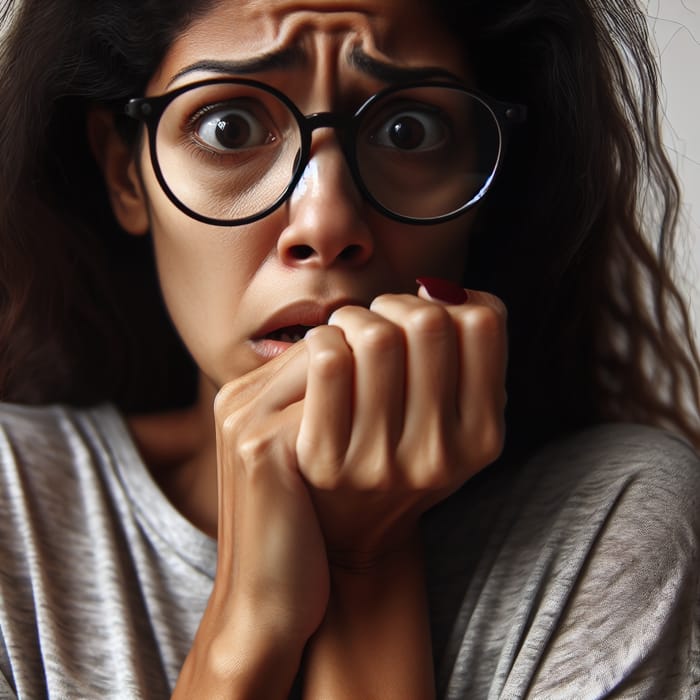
(305, 312)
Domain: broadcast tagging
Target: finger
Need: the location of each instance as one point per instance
(246, 409)
(481, 325)
(327, 408)
(378, 348)
(452, 295)
(274, 385)
(432, 367)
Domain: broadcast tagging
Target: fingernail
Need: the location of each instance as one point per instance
(443, 290)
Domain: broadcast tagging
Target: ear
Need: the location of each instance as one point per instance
(117, 160)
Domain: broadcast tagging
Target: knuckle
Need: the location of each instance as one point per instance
(325, 478)
(230, 426)
(494, 441)
(321, 465)
(432, 464)
(380, 472)
(253, 450)
(342, 315)
(323, 334)
(429, 319)
(315, 460)
(378, 480)
(329, 362)
(489, 443)
(435, 472)
(222, 402)
(485, 321)
(233, 396)
(388, 299)
(496, 303)
(381, 336)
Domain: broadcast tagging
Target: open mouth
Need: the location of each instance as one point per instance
(289, 334)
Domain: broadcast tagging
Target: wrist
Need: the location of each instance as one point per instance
(373, 585)
(374, 641)
(372, 567)
(246, 660)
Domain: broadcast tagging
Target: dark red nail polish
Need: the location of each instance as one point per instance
(443, 290)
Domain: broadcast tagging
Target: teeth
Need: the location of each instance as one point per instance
(290, 338)
(290, 334)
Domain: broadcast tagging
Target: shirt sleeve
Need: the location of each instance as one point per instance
(629, 625)
(7, 691)
(574, 575)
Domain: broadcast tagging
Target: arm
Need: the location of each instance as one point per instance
(404, 403)
(374, 641)
(271, 585)
(260, 667)
(354, 435)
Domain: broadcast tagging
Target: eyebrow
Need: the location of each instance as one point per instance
(391, 73)
(294, 56)
(289, 57)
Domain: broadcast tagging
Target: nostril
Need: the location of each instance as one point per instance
(301, 252)
(351, 253)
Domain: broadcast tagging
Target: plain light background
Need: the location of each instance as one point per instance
(675, 25)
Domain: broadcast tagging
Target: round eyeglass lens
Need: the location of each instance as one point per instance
(428, 151)
(227, 151)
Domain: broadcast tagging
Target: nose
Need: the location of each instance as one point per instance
(326, 224)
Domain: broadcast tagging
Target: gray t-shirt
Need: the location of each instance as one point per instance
(575, 576)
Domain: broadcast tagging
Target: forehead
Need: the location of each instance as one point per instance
(404, 33)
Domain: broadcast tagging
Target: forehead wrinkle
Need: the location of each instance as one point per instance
(389, 71)
(307, 23)
(373, 40)
(360, 40)
(312, 37)
(277, 26)
(325, 39)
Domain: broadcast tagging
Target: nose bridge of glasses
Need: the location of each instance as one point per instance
(331, 120)
(336, 122)
(327, 163)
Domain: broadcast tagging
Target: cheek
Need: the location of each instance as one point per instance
(204, 272)
(435, 251)
(452, 257)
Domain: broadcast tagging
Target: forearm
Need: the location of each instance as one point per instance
(374, 641)
(247, 667)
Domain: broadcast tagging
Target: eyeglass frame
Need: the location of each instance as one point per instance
(149, 110)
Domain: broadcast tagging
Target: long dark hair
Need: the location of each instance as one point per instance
(598, 330)
(578, 237)
(82, 320)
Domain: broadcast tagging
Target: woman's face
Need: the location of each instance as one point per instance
(233, 290)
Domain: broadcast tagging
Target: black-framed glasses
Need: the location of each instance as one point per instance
(230, 151)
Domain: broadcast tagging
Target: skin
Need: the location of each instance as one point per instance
(384, 409)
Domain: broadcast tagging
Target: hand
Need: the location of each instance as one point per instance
(272, 583)
(404, 403)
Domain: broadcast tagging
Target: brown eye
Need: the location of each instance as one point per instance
(411, 130)
(407, 132)
(229, 129)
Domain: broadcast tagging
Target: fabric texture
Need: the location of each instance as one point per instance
(575, 576)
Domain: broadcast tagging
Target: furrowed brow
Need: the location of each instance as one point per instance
(391, 73)
(284, 59)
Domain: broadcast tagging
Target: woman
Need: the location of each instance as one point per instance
(236, 237)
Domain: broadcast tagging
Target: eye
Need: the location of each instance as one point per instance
(411, 130)
(229, 128)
